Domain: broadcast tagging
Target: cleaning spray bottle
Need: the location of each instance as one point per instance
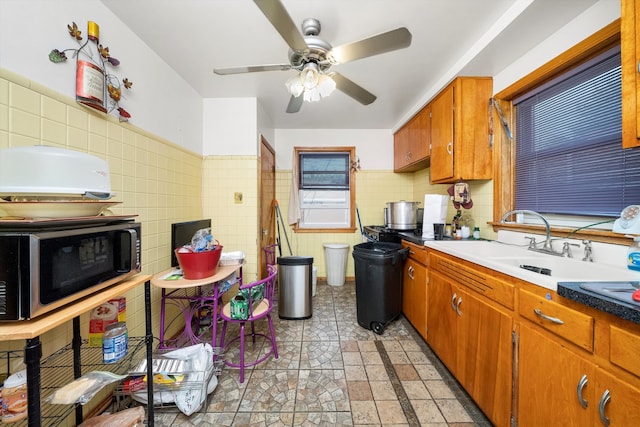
(633, 254)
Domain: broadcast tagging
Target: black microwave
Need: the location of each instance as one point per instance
(42, 270)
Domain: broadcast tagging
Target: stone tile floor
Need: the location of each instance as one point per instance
(333, 372)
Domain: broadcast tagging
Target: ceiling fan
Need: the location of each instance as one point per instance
(312, 57)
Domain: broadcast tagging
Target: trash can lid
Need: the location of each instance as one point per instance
(377, 247)
(295, 260)
(336, 245)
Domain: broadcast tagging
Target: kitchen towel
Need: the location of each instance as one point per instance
(435, 212)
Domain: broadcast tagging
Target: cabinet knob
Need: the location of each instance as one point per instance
(450, 148)
(453, 301)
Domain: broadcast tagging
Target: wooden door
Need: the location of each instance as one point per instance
(621, 409)
(414, 295)
(267, 199)
(442, 320)
(548, 379)
(442, 135)
(420, 134)
(485, 356)
(401, 153)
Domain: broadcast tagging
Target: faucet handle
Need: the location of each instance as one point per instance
(566, 249)
(532, 242)
(588, 251)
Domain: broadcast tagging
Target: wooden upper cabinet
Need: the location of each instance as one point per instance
(630, 44)
(460, 147)
(442, 135)
(411, 143)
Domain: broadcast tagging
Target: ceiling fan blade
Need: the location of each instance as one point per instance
(251, 69)
(355, 91)
(382, 43)
(295, 104)
(281, 20)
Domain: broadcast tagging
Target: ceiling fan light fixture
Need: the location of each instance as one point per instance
(311, 83)
(294, 86)
(309, 76)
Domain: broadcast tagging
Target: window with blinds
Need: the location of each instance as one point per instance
(325, 189)
(569, 156)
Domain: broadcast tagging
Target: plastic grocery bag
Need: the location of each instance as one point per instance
(83, 389)
(188, 399)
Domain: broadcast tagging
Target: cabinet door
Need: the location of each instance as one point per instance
(630, 43)
(485, 356)
(420, 135)
(620, 408)
(442, 319)
(442, 135)
(401, 155)
(549, 376)
(414, 295)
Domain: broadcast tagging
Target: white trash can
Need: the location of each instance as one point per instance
(335, 258)
(314, 280)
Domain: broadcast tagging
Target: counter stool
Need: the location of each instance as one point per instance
(256, 311)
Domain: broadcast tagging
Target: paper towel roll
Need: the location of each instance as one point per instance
(435, 211)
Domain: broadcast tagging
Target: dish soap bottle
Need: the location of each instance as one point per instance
(633, 254)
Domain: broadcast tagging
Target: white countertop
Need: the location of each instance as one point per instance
(510, 251)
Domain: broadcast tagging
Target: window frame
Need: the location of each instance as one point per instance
(504, 152)
(352, 187)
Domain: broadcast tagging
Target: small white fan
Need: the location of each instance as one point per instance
(629, 221)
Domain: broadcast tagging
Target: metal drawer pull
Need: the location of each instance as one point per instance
(606, 397)
(450, 148)
(453, 301)
(458, 306)
(410, 272)
(549, 318)
(581, 385)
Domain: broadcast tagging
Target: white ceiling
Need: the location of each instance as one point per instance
(449, 37)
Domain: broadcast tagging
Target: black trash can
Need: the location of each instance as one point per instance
(295, 287)
(378, 268)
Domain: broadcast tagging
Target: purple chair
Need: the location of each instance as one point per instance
(270, 254)
(256, 311)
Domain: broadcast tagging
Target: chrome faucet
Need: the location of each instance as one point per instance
(546, 247)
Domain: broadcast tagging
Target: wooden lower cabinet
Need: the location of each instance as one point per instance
(473, 339)
(414, 295)
(414, 287)
(548, 378)
(557, 386)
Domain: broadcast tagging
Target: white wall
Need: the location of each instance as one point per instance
(374, 147)
(230, 126)
(161, 102)
(593, 19)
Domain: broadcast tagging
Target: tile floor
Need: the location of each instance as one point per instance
(332, 372)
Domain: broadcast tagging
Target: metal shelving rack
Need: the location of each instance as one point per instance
(75, 355)
(57, 370)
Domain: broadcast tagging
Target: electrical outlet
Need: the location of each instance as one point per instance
(237, 198)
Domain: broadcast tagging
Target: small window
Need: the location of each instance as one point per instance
(324, 171)
(326, 189)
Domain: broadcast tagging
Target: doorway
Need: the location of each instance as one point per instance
(267, 193)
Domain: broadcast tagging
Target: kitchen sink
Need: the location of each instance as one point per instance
(564, 269)
(508, 259)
